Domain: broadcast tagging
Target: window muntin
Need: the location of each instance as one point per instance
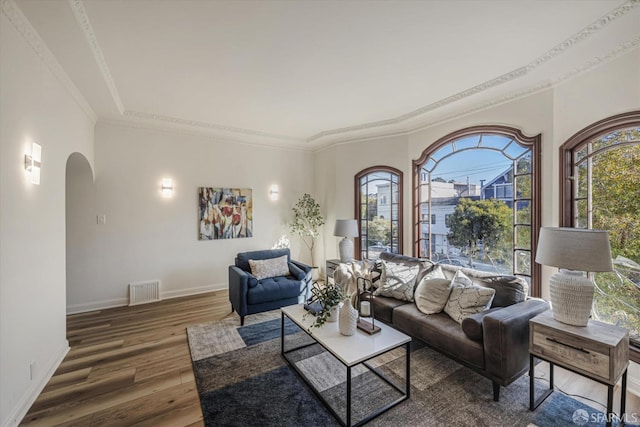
(601, 190)
(518, 188)
(379, 211)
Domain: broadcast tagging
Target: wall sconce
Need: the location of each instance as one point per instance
(33, 163)
(274, 192)
(167, 187)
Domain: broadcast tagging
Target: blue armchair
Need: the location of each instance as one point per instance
(249, 295)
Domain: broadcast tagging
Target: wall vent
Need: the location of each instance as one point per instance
(144, 292)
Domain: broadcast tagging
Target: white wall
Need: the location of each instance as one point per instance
(148, 237)
(34, 106)
(335, 185)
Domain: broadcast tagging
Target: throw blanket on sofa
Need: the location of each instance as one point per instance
(347, 274)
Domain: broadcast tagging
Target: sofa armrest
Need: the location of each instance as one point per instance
(238, 286)
(307, 278)
(302, 266)
(506, 340)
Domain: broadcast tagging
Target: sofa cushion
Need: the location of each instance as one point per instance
(273, 267)
(509, 290)
(383, 308)
(472, 325)
(440, 332)
(432, 294)
(424, 264)
(466, 298)
(398, 281)
(275, 289)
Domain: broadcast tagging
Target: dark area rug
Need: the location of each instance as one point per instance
(243, 381)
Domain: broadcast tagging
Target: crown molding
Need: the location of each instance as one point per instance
(80, 13)
(22, 25)
(169, 128)
(212, 127)
(585, 33)
(616, 52)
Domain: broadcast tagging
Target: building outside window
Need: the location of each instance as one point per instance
(378, 211)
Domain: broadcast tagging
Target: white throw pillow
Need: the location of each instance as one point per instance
(467, 298)
(273, 267)
(398, 281)
(432, 294)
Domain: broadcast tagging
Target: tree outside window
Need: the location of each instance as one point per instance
(603, 192)
(485, 182)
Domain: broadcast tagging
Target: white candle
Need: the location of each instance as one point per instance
(365, 308)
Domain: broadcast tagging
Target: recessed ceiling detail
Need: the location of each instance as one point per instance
(77, 6)
(270, 73)
(28, 33)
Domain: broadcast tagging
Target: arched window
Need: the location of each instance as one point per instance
(476, 201)
(378, 191)
(600, 189)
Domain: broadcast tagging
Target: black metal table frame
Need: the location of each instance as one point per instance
(406, 393)
(534, 403)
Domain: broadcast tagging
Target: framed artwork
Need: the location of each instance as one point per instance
(224, 213)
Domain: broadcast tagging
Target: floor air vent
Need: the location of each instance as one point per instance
(144, 292)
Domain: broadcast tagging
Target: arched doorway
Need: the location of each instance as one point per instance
(80, 229)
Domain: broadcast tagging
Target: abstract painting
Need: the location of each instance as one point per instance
(224, 213)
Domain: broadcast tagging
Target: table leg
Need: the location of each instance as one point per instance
(282, 334)
(623, 397)
(408, 383)
(348, 420)
(533, 403)
(609, 413)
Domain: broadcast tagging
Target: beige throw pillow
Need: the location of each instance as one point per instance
(467, 298)
(273, 267)
(432, 292)
(432, 295)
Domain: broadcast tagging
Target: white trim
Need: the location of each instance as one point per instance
(97, 305)
(194, 291)
(22, 25)
(80, 13)
(36, 388)
(121, 302)
(168, 129)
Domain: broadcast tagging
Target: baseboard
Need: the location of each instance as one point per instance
(97, 305)
(120, 302)
(193, 291)
(36, 388)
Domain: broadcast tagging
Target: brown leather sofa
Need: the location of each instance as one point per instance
(494, 343)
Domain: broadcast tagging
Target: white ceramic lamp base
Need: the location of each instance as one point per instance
(571, 297)
(346, 250)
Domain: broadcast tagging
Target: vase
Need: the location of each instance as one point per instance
(333, 314)
(348, 318)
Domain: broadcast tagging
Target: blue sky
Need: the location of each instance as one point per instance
(476, 164)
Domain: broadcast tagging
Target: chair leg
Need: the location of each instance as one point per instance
(241, 320)
(496, 391)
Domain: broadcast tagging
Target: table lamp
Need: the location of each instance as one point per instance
(574, 251)
(346, 228)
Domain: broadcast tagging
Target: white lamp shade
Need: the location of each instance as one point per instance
(346, 228)
(576, 249)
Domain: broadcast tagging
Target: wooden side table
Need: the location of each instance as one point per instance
(331, 266)
(598, 351)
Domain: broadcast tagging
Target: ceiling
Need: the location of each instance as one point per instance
(307, 74)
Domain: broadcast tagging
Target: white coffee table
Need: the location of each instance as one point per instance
(350, 351)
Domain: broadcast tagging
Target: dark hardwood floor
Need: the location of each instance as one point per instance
(131, 365)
